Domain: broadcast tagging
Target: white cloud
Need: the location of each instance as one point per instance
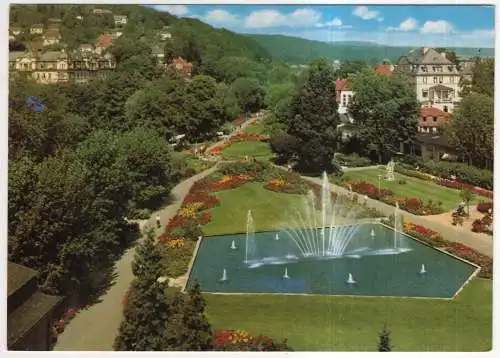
(273, 18)
(364, 13)
(407, 25)
(335, 22)
(439, 26)
(177, 10)
(220, 17)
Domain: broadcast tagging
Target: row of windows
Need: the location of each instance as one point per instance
(438, 79)
(430, 130)
(346, 99)
(439, 94)
(436, 68)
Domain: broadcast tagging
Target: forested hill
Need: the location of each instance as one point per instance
(298, 51)
(200, 39)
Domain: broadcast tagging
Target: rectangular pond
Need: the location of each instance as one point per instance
(377, 261)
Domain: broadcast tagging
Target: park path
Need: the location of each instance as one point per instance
(481, 242)
(95, 328)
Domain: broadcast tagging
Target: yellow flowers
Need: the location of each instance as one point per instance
(190, 209)
(175, 243)
(277, 182)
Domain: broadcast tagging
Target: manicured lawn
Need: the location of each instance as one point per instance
(251, 148)
(414, 187)
(328, 323)
(268, 209)
(257, 128)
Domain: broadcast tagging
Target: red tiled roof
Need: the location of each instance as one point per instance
(429, 113)
(104, 40)
(385, 69)
(432, 112)
(341, 85)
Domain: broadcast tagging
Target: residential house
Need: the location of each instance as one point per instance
(116, 34)
(86, 48)
(436, 79)
(30, 313)
(165, 33)
(16, 63)
(101, 11)
(159, 54)
(51, 37)
(54, 23)
(120, 20)
(431, 142)
(79, 17)
(182, 65)
(51, 67)
(344, 95)
(37, 29)
(15, 30)
(103, 42)
(87, 66)
(385, 69)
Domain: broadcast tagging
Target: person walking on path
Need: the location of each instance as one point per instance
(158, 221)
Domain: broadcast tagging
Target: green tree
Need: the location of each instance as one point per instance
(249, 93)
(313, 118)
(348, 68)
(229, 101)
(188, 328)
(148, 157)
(384, 344)
(385, 110)
(483, 76)
(205, 110)
(467, 196)
(471, 129)
(147, 307)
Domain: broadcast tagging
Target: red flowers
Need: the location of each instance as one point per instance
(231, 340)
(484, 207)
(370, 190)
(239, 120)
(458, 185)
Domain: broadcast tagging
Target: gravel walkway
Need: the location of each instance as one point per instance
(95, 328)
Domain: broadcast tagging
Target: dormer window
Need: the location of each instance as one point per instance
(424, 119)
(435, 119)
(450, 68)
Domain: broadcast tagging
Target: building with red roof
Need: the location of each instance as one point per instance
(103, 42)
(432, 120)
(385, 69)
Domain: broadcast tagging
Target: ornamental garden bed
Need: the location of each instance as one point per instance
(434, 239)
(405, 188)
(243, 144)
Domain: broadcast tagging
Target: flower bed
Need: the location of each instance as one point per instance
(285, 182)
(239, 340)
(60, 325)
(411, 205)
(484, 207)
(434, 239)
(449, 183)
(483, 225)
(236, 138)
(239, 120)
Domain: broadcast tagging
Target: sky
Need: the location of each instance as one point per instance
(397, 25)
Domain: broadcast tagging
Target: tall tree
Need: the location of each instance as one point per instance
(385, 110)
(147, 307)
(483, 76)
(249, 93)
(471, 129)
(313, 118)
(384, 344)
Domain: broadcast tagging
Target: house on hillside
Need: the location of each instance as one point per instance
(30, 313)
(101, 11)
(432, 120)
(15, 30)
(159, 54)
(103, 42)
(165, 33)
(51, 37)
(116, 34)
(385, 69)
(37, 29)
(51, 67)
(120, 20)
(344, 95)
(436, 79)
(182, 65)
(86, 48)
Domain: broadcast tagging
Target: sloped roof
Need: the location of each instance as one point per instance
(52, 55)
(104, 40)
(432, 57)
(432, 112)
(341, 85)
(384, 69)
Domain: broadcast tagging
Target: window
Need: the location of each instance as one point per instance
(424, 79)
(349, 98)
(440, 79)
(452, 79)
(450, 68)
(435, 79)
(434, 129)
(423, 68)
(344, 100)
(445, 109)
(435, 119)
(424, 119)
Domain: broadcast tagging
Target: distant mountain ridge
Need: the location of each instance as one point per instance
(296, 50)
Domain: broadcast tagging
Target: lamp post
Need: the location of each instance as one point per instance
(379, 184)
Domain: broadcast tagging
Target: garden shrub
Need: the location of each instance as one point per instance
(239, 340)
(464, 173)
(284, 145)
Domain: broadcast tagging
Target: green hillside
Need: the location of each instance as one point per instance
(297, 50)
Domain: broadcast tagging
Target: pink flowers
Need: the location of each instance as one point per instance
(458, 185)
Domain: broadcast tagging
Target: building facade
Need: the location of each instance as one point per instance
(436, 79)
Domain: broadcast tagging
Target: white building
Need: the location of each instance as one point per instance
(344, 96)
(120, 20)
(436, 78)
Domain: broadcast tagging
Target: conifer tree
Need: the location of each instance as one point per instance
(384, 344)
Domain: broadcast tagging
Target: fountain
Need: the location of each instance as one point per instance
(250, 247)
(277, 237)
(285, 275)
(233, 245)
(224, 276)
(422, 270)
(372, 234)
(350, 280)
